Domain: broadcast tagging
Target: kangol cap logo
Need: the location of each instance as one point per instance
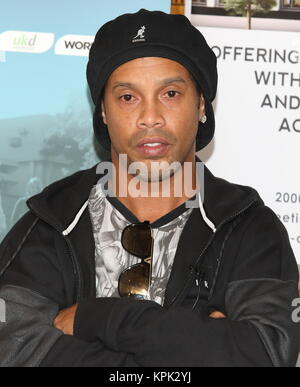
(140, 36)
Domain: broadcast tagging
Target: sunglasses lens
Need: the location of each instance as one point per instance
(137, 240)
(134, 282)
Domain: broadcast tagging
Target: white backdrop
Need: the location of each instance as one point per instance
(257, 110)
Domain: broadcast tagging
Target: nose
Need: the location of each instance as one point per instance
(150, 115)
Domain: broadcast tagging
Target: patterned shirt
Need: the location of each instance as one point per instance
(109, 218)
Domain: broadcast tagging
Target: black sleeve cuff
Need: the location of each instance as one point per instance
(102, 318)
(91, 318)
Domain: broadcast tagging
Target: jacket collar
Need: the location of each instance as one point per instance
(61, 203)
(223, 200)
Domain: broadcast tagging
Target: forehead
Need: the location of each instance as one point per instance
(148, 67)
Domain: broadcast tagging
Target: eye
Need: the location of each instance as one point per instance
(127, 97)
(172, 93)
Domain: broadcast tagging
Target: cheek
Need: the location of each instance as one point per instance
(120, 127)
(184, 123)
(116, 116)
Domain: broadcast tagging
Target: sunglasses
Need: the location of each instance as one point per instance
(135, 281)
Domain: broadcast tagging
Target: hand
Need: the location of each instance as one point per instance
(217, 314)
(64, 321)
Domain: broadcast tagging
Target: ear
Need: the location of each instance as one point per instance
(103, 112)
(201, 106)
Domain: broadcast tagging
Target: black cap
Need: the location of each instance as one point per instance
(156, 34)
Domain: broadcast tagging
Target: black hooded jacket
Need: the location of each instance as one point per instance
(246, 269)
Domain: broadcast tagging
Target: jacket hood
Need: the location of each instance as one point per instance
(62, 203)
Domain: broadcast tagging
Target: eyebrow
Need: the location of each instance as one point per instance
(173, 80)
(164, 82)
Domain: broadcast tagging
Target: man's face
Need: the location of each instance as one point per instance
(152, 110)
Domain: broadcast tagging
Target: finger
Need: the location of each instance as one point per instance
(217, 314)
(59, 321)
(57, 324)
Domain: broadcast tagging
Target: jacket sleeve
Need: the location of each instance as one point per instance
(258, 330)
(31, 289)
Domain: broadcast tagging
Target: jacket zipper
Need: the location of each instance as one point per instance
(193, 268)
(76, 269)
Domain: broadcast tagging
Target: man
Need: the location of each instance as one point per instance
(95, 277)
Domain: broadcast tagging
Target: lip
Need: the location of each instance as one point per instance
(155, 151)
(152, 140)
